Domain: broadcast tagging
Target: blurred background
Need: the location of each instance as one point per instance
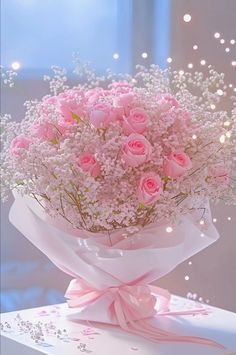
(186, 34)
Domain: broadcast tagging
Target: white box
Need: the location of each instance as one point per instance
(98, 339)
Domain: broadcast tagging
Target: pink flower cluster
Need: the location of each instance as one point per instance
(106, 158)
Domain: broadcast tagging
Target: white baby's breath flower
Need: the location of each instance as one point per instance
(177, 108)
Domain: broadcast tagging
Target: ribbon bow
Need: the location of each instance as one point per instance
(132, 306)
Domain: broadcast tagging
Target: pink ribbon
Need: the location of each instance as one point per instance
(131, 308)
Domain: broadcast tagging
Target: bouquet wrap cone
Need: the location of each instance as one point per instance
(113, 272)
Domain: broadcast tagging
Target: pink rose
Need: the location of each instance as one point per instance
(220, 173)
(121, 87)
(124, 100)
(101, 115)
(150, 188)
(166, 102)
(123, 95)
(136, 122)
(89, 164)
(49, 100)
(177, 164)
(76, 93)
(119, 114)
(136, 150)
(94, 95)
(18, 145)
(71, 103)
(185, 117)
(48, 104)
(46, 130)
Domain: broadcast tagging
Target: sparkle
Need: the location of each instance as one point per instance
(181, 72)
(227, 49)
(222, 138)
(190, 65)
(214, 220)
(200, 299)
(195, 47)
(202, 235)
(194, 136)
(202, 222)
(232, 41)
(169, 60)
(15, 65)
(217, 35)
(230, 85)
(203, 62)
(213, 106)
(229, 218)
(116, 56)
(144, 55)
(222, 41)
(190, 262)
(220, 92)
(234, 89)
(187, 18)
(228, 134)
(186, 278)
(233, 63)
(227, 123)
(169, 229)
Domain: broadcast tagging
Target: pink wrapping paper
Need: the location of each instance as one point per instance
(110, 261)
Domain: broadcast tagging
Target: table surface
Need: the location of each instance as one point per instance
(62, 335)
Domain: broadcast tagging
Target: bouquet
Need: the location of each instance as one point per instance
(112, 180)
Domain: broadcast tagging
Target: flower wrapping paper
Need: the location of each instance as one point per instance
(110, 261)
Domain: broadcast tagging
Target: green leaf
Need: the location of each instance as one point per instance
(54, 141)
(19, 182)
(75, 117)
(141, 206)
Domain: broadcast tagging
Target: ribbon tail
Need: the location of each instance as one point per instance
(145, 329)
(173, 337)
(192, 312)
